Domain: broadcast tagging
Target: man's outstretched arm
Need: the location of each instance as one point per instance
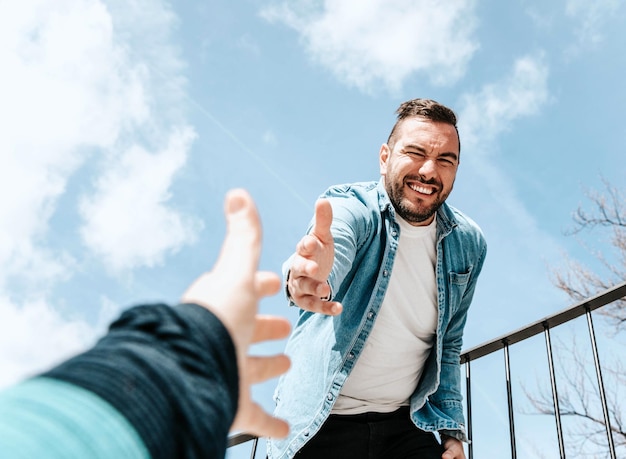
(312, 263)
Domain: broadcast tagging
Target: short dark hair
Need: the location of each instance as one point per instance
(425, 108)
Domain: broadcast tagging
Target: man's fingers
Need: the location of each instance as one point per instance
(323, 221)
(454, 449)
(307, 293)
(305, 286)
(270, 327)
(314, 304)
(308, 246)
(262, 368)
(320, 233)
(303, 267)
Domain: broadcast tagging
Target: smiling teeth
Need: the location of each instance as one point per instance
(421, 189)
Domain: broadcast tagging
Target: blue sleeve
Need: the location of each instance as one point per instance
(47, 418)
(170, 373)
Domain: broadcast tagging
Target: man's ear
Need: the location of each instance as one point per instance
(384, 158)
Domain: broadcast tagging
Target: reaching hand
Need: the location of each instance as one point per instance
(312, 263)
(232, 291)
(453, 449)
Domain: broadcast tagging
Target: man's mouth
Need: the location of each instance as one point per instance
(422, 189)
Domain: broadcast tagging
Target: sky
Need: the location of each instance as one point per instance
(124, 123)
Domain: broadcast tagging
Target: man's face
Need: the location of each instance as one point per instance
(420, 167)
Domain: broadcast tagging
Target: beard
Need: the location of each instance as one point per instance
(411, 211)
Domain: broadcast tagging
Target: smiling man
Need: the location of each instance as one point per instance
(384, 279)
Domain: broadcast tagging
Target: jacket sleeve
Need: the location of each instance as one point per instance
(171, 372)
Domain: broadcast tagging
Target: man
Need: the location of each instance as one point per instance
(384, 279)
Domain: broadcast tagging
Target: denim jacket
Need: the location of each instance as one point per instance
(323, 349)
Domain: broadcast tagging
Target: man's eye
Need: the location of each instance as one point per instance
(447, 161)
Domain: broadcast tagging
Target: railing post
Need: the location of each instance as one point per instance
(509, 394)
(596, 359)
(254, 445)
(555, 395)
(468, 390)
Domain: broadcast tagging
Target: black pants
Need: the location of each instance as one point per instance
(371, 436)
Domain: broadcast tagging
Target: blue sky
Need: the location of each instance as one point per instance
(125, 122)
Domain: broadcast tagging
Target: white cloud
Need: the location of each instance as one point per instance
(127, 220)
(488, 113)
(591, 18)
(79, 77)
(83, 81)
(34, 336)
(65, 86)
(491, 111)
(384, 41)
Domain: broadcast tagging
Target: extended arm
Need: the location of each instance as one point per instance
(164, 382)
(312, 263)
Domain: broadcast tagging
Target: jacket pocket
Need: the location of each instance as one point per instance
(458, 285)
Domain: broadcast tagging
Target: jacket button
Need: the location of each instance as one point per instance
(385, 273)
(351, 356)
(370, 314)
(329, 397)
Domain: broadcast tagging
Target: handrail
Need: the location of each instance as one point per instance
(602, 299)
(239, 438)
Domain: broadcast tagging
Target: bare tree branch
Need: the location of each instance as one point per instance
(579, 402)
(610, 209)
(578, 282)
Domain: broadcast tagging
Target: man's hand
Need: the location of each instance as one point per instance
(232, 291)
(453, 449)
(312, 263)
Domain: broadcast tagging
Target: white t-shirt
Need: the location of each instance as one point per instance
(389, 368)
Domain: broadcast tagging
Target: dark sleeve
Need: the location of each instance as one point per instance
(171, 371)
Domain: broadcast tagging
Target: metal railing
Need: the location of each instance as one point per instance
(544, 326)
(503, 343)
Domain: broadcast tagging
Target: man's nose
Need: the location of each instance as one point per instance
(428, 168)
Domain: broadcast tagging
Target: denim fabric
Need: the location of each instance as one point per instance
(324, 349)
